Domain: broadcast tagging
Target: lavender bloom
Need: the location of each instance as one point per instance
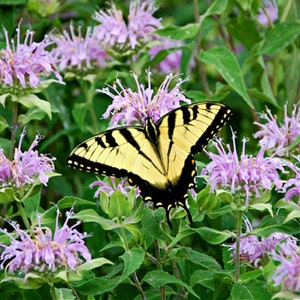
(246, 174)
(109, 189)
(24, 64)
(270, 13)
(77, 52)
(27, 166)
(5, 169)
(41, 250)
(276, 137)
(253, 249)
(287, 273)
(114, 32)
(291, 187)
(141, 22)
(129, 107)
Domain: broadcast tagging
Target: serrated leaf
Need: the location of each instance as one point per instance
(279, 37)
(133, 259)
(161, 278)
(213, 236)
(226, 63)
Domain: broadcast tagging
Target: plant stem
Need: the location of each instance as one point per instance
(88, 95)
(23, 214)
(14, 129)
(239, 218)
(134, 274)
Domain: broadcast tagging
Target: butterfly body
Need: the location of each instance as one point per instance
(157, 157)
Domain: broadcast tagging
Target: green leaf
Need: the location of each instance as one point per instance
(64, 294)
(161, 278)
(79, 113)
(286, 295)
(179, 33)
(32, 100)
(240, 292)
(195, 257)
(7, 195)
(204, 278)
(133, 259)
(262, 207)
(3, 98)
(34, 113)
(69, 201)
(119, 206)
(227, 65)
(213, 236)
(3, 123)
(89, 215)
(216, 8)
(279, 37)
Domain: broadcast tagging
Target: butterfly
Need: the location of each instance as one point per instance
(156, 157)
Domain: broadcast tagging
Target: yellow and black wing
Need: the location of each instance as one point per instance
(158, 157)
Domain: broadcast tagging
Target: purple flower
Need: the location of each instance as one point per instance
(287, 273)
(247, 175)
(5, 170)
(77, 52)
(26, 168)
(172, 61)
(25, 64)
(109, 189)
(269, 13)
(114, 32)
(41, 250)
(129, 106)
(277, 138)
(253, 250)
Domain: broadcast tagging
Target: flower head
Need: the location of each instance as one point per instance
(246, 174)
(275, 137)
(78, 52)
(114, 32)
(129, 106)
(27, 166)
(287, 273)
(23, 65)
(253, 249)
(41, 250)
(269, 13)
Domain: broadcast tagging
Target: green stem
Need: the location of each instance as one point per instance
(88, 95)
(14, 129)
(23, 214)
(134, 275)
(239, 219)
(159, 267)
(52, 291)
(286, 11)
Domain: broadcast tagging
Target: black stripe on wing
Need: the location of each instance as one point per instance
(217, 123)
